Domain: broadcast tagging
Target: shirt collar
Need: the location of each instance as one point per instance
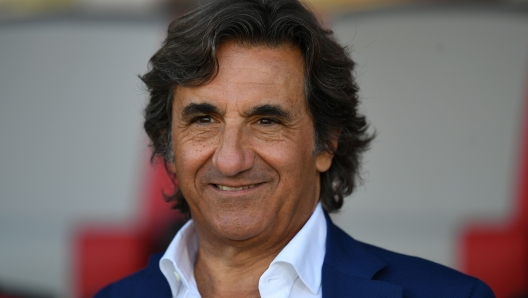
(304, 255)
(306, 251)
(177, 264)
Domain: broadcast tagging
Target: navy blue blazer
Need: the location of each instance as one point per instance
(350, 269)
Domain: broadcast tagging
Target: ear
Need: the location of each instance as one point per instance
(323, 161)
(172, 167)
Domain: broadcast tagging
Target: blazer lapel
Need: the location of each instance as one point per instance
(349, 267)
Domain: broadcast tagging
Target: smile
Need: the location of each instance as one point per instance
(225, 187)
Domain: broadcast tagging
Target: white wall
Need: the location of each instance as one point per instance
(72, 145)
(443, 90)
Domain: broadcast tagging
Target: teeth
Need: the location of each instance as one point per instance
(223, 187)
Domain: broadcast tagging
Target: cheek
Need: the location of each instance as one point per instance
(292, 160)
(191, 153)
(297, 153)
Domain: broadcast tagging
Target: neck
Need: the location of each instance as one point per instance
(233, 275)
(233, 268)
(227, 267)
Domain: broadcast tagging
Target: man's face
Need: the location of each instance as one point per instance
(244, 146)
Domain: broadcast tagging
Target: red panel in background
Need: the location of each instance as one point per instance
(499, 257)
(106, 253)
(155, 214)
(498, 254)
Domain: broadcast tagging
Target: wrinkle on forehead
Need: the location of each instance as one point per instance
(228, 53)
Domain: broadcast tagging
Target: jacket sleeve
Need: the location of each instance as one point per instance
(481, 290)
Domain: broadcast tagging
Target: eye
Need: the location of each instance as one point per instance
(204, 120)
(267, 121)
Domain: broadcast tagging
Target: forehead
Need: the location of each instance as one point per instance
(251, 75)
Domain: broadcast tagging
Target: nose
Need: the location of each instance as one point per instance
(233, 155)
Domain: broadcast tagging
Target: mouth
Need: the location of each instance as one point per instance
(234, 188)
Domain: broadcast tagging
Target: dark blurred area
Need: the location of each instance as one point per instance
(22, 292)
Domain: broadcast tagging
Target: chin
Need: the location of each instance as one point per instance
(239, 228)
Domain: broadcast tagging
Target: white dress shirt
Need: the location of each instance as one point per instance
(295, 271)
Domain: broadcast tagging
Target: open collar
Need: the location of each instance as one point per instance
(308, 244)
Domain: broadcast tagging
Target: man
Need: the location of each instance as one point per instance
(254, 109)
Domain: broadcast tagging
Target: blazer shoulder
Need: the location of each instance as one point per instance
(124, 287)
(148, 282)
(349, 259)
(417, 275)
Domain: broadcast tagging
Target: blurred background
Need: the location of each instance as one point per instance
(443, 83)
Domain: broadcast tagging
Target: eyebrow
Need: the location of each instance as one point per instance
(269, 110)
(194, 109)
